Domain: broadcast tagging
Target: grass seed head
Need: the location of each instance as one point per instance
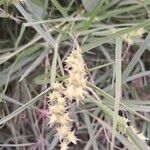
(133, 35)
(76, 82)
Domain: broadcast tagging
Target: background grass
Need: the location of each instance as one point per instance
(35, 38)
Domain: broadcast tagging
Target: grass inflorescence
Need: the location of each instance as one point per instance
(74, 74)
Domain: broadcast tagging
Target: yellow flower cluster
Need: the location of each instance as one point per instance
(62, 95)
(131, 36)
(76, 82)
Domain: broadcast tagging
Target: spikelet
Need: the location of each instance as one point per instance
(122, 129)
(133, 35)
(140, 135)
(76, 82)
(64, 146)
